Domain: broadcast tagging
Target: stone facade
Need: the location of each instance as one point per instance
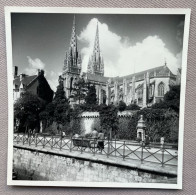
(35, 165)
(143, 88)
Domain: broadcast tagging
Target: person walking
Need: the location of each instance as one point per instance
(100, 143)
(94, 136)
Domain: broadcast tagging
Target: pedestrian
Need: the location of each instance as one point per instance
(100, 143)
(34, 133)
(29, 133)
(94, 134)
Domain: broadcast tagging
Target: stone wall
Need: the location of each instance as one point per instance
(33, 165)
(90, 120)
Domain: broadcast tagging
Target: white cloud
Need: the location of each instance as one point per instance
(52, 79)
(122, 58)
(34, 65)
(53, 83)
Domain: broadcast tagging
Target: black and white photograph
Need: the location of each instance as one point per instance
(96, 96)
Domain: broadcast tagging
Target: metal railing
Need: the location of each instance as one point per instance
(163, 154)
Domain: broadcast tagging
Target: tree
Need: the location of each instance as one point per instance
(47, 115)
(133, 107)
(121, 106)
(26, 110)
(79, 90)
(171, 99)
(109, 119)
(61, 105)
(91, 97)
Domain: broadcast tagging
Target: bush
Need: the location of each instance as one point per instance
(109, 119)
(122, 106)
(132, 107)
(159, 123)
(171, 100)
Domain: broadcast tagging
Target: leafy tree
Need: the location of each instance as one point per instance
(47, 115)
(91, 97)
(132, 107)
(121, 106)
(159, 123)
(109, 119)
(56, 113)
(171, 99)
(79, 90)
(60, 93)
(26, 110)
(61, 105)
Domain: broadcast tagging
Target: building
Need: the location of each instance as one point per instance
(143, 88)
(35, 84)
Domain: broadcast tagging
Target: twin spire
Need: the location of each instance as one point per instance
(72, 62)
(73, 41)
(96, 64)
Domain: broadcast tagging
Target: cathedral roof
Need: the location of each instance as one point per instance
(157, 71)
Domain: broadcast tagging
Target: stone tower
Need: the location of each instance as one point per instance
(96, 64)
(72, 63)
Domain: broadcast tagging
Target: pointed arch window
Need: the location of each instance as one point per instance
(161, 89)
(71, 84)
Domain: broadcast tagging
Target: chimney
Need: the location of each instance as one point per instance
(15, 71)
(22, 76)
(40, 72)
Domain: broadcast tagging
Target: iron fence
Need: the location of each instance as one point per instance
(163, 154)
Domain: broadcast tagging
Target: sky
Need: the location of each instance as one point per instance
(129, 43)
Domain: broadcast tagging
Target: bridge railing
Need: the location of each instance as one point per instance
(163, 154)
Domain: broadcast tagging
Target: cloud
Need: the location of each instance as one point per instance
(52, 79)
(120, 57)
(34, 65)
(53, 83)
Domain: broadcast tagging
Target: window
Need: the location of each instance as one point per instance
(71, 83)
(151, 91)
(161, 89)
(140, 95)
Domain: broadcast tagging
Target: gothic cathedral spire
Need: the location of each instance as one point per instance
(96, 64)
(72, 62)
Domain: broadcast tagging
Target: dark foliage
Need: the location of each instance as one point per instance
(62, 108)
(91, 97)
(26, 110)
(79, 90)
(121, 106)
(132, 107)
(171, 99)
(57, 112)
(109, 119)
(159, 122)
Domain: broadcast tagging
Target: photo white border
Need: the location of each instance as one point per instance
(158, 11)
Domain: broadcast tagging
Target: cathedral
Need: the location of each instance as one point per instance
(143, 88)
